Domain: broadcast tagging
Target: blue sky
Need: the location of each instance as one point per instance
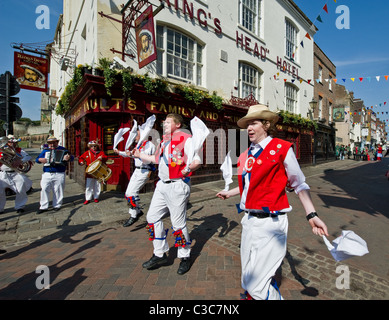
(358, 52)
(18, 24)
(361, 51)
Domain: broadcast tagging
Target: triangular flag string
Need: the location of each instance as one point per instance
(313, 28)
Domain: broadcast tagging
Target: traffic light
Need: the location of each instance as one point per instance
(9, 110)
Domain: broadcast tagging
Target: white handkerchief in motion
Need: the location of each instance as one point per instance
(346, 246)
(226, 168)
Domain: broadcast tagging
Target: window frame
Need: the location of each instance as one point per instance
(258, 79)
(291, 42)
(169, 52)
(294, 98)
(255, 16)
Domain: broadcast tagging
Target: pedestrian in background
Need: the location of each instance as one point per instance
(342, 151)
(264, 170)
(379, 153)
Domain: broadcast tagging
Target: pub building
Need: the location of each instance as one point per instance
(247, 52)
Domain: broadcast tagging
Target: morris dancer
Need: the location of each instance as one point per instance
(171, 193)
(139, 178)
(263, 172)
(9, 178)
(53, 177)
(92, 185)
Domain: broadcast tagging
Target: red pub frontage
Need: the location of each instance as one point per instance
(96, 115)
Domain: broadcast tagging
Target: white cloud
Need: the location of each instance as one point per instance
(360, 61)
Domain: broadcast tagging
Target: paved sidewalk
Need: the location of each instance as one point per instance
(91, 256)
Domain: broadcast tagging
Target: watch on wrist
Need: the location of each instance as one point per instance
(311, 215)
(188, 170)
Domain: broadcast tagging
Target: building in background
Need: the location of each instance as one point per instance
(244, 52)
(347, 131)
(324, 95)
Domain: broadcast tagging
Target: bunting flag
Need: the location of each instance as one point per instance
(312, 27)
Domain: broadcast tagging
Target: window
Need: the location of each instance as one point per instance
(291, 40)
(249, 15)
(291, 98)
(330, 83)
(320, 74)
(330, 112)
(250, 81)
(179, 56)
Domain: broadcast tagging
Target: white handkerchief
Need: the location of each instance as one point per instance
(119, 136)
(226, 168)
(131, 136)
(346, 246)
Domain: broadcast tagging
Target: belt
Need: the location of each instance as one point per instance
(147, 168)
(169, 181)
(261, 215)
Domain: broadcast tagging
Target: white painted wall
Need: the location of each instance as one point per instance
(92, 37)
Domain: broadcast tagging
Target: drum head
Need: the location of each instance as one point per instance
(93, 167)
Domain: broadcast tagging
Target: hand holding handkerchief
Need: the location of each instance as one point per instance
(346, 246)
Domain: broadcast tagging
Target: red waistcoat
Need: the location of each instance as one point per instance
(268, 177)
(176, 154)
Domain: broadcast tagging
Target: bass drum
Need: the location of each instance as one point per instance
(99, 170)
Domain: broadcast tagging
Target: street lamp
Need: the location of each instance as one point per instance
(313, 104)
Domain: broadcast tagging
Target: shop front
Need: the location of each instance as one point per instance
(96, 116)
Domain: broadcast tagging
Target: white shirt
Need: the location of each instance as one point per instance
(148, 149)
(295, 176)
(163, 168)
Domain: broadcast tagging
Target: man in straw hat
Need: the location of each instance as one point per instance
(53, 177)
(11, 179)
(264, 171)
(92, 185)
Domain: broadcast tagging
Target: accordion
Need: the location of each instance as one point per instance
(55, 157)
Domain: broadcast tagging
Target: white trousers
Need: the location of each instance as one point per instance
(263, 247)
(92, 189)
(138, 179)
(52, 182)
(173, 198)
(17, 182)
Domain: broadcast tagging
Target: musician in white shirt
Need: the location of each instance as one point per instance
(53, 177)
(139, 178)
(17, 182)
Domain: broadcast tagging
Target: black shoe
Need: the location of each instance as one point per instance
(57, 209)
(20, 211)
(130, 222)
(2, 251)
(41, 211)
(184, 266)
(155, 262)
(2, 212)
